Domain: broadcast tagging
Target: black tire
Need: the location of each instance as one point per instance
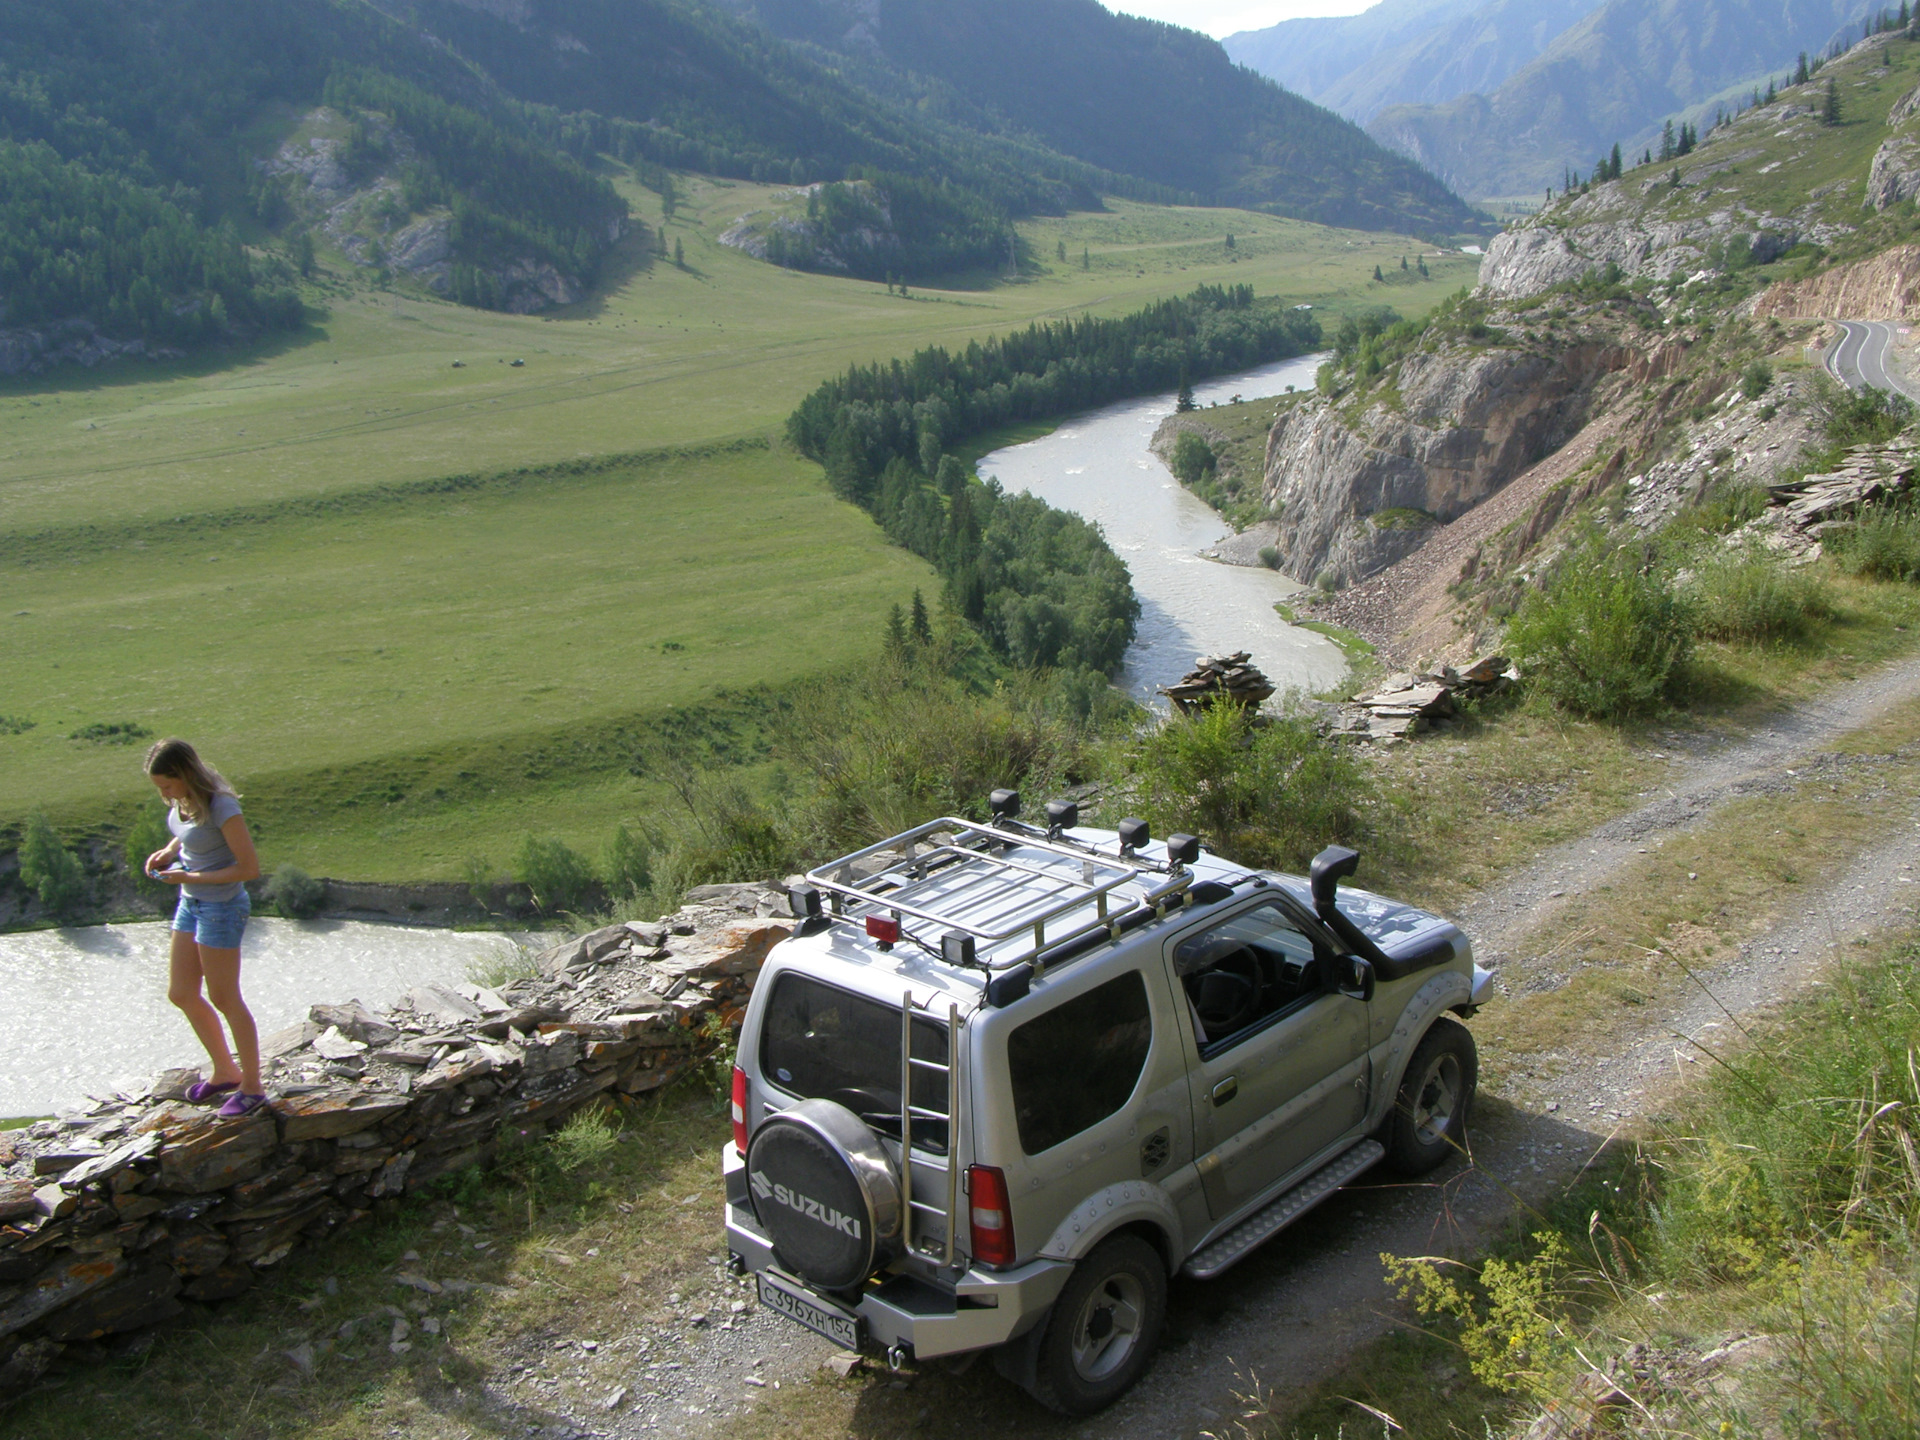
(1117, 1297)
(1429, 1120)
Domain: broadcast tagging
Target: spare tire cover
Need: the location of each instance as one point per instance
(825, 1190)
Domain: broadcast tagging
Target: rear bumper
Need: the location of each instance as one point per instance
(976, 1310)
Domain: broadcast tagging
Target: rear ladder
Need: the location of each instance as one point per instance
(909, 1112)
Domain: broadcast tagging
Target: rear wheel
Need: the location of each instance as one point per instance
(1104, 1327)
(1429, 1120)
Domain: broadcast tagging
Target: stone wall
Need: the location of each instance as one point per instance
(125, 1210)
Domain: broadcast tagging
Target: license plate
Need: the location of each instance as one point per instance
(796, 1304)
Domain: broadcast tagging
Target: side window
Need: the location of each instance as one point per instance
(1244, 971)
(1075, 1065)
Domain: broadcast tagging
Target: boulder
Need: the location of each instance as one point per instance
(354, 1021)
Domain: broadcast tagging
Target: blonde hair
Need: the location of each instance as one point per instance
(178, 760)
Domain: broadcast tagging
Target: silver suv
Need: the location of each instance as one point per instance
(1006, 1079)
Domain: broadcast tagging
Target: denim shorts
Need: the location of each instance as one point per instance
(216, 924)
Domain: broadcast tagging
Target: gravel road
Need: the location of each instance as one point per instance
(1295, 1310)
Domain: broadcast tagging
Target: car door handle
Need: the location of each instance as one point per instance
(1226, 1090)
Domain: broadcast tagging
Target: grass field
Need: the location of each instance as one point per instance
(263, 551)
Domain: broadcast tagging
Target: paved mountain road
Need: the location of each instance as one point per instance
(1864, 357)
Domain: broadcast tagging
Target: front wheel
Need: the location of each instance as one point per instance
(1429, 1120)
(1104, 1327)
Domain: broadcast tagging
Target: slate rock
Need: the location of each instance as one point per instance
(222, 1283)
(108, 1165)
(197, 1252)
(16, 1200)
(216, 1153)
(354, 1021)
(330, 1114)
(131, 1302)
(27, 1364)
(60, 1286)
(441, 1006)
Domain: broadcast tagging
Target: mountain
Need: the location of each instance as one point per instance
(1615, 76)
(1133, 96)
(1404, 52)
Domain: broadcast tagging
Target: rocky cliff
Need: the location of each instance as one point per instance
(1353, 493)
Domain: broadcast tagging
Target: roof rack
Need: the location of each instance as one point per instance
(964, 882)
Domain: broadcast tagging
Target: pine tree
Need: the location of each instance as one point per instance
(1183, 402)
(1229, 240)
(1086, 258)
(1772, 93)
(896, 632)
(1667, 150)
(1403, 262)
(1617, 171)
(679, 253)
(1061, 251)
(1802, 74)
(1381, 279)
(1830, 111)
(919, 626)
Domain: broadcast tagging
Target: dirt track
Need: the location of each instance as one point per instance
(1294, 1311)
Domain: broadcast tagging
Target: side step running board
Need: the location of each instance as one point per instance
(1263, 1225)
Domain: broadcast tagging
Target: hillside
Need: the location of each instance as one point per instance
(1405, 52)
(1133, 96)
(1615, 76)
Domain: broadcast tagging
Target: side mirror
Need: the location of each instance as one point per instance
(1357, 981)
(1330, 867)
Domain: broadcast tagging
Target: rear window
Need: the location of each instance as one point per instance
(1077, 1064)
(820, 1042)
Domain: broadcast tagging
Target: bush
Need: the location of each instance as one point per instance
(148, 833)
(1746, 597)
(1270, 556)
(296, 894)
(560, 878)
(1860, 417)
(1755, 379)
(629, 865)
(1604, 638)
(50, 870)
(1884, 544)
(1270, 794)
(1193, 458)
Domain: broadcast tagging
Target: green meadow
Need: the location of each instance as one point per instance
(420, 609)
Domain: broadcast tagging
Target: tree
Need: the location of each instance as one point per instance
(51, 870)
(679, 253)
(1383, 279)
(1061, 251)
(1830, 110)
(1667, 142)
(896, 632)
(1229, 240)
(919, 626)
(1801, 73)
(300, 247)
(1772, 93)
(1614, 163)
(1086, 258)
(1421, 263)
(1183, 402)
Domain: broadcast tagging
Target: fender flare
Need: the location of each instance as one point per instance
(1102, 1213)
(1432, 1000)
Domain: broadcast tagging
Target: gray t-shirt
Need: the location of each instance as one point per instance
(203, 847)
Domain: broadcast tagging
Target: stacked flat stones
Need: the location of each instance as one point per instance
(1216, 677)
(131, 1204)
(1408, 705)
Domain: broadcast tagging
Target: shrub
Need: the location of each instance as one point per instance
(1746, 597)
(15, 724)
(560, 878)
(629, 865)
(586, 1139)
(148, 833)
(296, 894)
(1270, 556)
(1193, 458)
(1883, 545)
(50, 870)
(1860, 417)
(117, 732)
(1604, 638)
(1755, 379)
(1272, 793)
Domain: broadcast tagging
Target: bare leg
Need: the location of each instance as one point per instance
(222, 971)
(183, 989)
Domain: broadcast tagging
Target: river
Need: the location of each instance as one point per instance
(1098, 465)
(87, 1008)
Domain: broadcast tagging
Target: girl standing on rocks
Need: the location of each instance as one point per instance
(211, 857)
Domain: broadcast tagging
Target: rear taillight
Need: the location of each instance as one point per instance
(992, 1215)
(740, 1111)
(884, 928)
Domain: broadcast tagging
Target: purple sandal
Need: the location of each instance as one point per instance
(241, 1103)
(204, 1092)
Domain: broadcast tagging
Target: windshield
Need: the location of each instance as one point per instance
(819, 1042)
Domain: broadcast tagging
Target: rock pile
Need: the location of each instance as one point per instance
(126, 1206)
(1410, 704)
(1216, 676)
(1819, 502)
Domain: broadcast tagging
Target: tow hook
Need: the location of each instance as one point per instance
(736, 1264)
(897, 1358)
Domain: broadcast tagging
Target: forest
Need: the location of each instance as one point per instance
(1042, 585)
(73, 244)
